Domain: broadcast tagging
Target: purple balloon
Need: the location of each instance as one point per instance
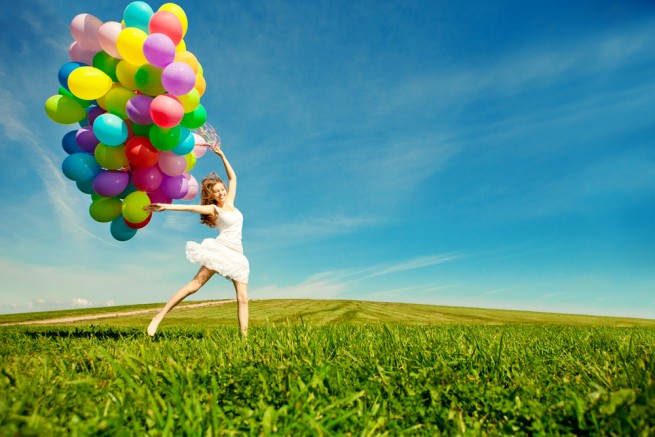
(178, 78)
(86, 139)
(138, 109)
(147, 179)
(159, 50)
(158, 196)
(111, 183)
(175, 187)
(94, 113)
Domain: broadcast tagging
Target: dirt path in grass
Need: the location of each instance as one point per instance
(110, 315)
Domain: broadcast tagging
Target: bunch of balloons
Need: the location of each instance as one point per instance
(135, 91)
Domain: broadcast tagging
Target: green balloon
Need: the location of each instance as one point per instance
(64, 109)
(116, 101)
(105, 209)
(133, 206)
(163, 138)
(110, 157)
(83, 103)
(148, 80)
(107, 64)
(141, 130)
(195, 118)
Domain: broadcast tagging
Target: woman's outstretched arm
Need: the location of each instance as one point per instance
(198, 209)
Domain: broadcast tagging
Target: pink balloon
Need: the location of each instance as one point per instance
(159, 50)
(193, 187)
(166, 111)
(77, 53)
(84, 29)
(147, 179)
(200, 151)
(171, 164)
(107, 36)
(167, 23)
(178, 78)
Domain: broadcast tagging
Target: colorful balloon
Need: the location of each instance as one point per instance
(195, 118)
(167, 23)
(110, 129)
(166, 111)
(89, 83)
(138, 225)
(84, 29)
(110, 183)
(148, 80)
(64, 110)
(125, 73)
(138, 14)
(159, 50)
(163, 138)
(120, 231)
(107, 37)
(147, 179)
(138, 109)
(193, 187)
(186, 143)
(178, 79)
(111, 157)
(86, 139)
(105, 209)
(80, 167)
(141, 153)
(107, 64)
(175, 187)
(179, 13)
(130, 45)
(133, 207)
(171, 164)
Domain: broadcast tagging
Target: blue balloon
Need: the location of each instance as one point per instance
(138, 14)
(186, 144)
(65, 71)
(69, 143)
(86, 186)
(110, 129)
(120, 231)
(80, 167)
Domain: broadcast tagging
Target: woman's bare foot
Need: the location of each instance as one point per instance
(152, 327)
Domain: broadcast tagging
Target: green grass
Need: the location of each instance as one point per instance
(332, 368)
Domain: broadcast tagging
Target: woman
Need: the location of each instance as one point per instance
(222, 255)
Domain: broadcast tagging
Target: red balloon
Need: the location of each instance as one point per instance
(138, 225)
(167, 23)
(141, 153)
(166, 111)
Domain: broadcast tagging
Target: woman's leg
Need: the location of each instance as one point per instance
(194, 285)
(242, 306)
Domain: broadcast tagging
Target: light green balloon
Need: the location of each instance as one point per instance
(64, 109)
(105, 209)
(110, 157)
(116, 101)
(133, 205)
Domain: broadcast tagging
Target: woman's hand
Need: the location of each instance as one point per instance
(216, 148)
(155, 207)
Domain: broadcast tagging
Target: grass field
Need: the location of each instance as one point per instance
(331, 368)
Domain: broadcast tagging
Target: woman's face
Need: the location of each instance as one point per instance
(219, 192)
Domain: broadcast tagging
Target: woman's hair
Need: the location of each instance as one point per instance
(207, 197)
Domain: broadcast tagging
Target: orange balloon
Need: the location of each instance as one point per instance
(201, 84)
(188, 58)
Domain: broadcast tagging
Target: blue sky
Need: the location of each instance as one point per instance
(482, 154)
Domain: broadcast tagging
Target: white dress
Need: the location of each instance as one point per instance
(223, 254)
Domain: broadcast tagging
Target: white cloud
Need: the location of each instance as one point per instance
(110, 303)
(81, 302)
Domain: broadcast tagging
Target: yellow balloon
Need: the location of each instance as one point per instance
(190, 161)
(125, 73)
(179, 13)
(181, 47)
(89, 83)
(130, 45)
(190, 101)
(200, 69)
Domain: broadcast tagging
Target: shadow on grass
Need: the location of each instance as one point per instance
(104, 333)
